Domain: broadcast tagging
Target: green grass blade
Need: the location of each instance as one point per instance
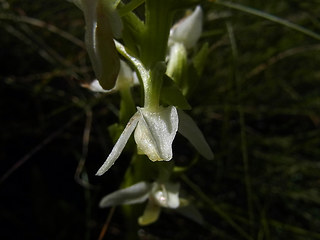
(269, 17)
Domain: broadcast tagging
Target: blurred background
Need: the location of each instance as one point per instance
(258, 104)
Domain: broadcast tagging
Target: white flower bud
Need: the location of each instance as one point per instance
(188, 30)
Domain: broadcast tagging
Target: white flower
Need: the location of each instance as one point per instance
(154, 134)
(161, 195)
(183, 36)
(188, 30)
(177, 61)
(158, 194)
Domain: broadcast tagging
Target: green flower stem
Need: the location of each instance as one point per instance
(151, 79)
(129, 7)
(158, 20)
(153, 85)
(154, 40)
(133, 26)
(140, 169)
(136, 172)
(151, 69)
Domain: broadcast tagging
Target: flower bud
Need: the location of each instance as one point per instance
(188, 30)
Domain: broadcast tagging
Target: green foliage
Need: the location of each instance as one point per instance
(172, 95)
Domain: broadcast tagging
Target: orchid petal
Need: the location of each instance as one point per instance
(120, 144)
(173, 195)
(136, 193)
(96, 87)
(177, 61)
(156, 131)
(125, 79)
(166, 195)
(150, 214)
(189, 129)
(192, 213)
(188, 30)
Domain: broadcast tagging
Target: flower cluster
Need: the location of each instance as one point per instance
(154, 126)
(155, 130)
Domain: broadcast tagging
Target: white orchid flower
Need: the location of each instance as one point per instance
(161, 195)
(183, 35)
(188, 30)
(158, 194)
(154, 134)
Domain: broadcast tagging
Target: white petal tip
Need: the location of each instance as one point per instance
(188, 31)
(101, 171)
(107, 164)
(120, 144)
